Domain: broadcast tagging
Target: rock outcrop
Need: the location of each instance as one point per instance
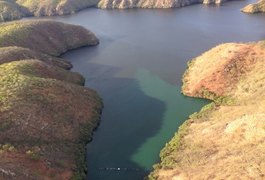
(258, 7)
(225, 140)
(46, 115)
(59, 7)
(124, 4)
(17, 9)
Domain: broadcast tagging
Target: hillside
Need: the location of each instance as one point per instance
(16, 9)
(225, 140)
(46, 115)
(50, 37)
(14, 53)
(58, 7)
(11, 11)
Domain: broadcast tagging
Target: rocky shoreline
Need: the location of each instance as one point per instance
(149, 4)
(42, 135)
(258, 7)
(16, 9)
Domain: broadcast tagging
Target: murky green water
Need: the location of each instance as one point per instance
(137, 70)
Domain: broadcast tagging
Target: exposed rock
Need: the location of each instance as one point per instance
(258, 7)
(225, 140)
(123, 4)
(50, 37)
(17, 9)
(59, 7)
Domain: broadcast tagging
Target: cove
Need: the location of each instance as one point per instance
(137, 70)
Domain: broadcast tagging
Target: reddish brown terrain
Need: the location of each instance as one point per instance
(46, 115)
(226, 139)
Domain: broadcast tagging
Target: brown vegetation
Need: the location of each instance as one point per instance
(226, 140)
(46, 116)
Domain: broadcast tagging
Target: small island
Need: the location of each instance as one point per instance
(258, 7)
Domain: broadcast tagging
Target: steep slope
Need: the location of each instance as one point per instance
(123, 4)
(17, 9)
(225, 140)
(50, 37)
(59, 7)
(258, 7)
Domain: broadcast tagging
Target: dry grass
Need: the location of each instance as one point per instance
(228, 141)
(53, 38)
(46, 117)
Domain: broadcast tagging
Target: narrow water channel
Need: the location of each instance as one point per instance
(137, 70)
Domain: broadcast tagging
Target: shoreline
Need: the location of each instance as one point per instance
(39, 92)
(214, 140)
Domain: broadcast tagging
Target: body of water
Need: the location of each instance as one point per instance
(137, 70)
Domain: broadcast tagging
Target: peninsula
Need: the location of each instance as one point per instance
(42, 136)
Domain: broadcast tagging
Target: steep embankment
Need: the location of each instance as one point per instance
(17, 9)
(226, 140)
(46, 116)
(258, 7)
(123, 4)
(58, 7)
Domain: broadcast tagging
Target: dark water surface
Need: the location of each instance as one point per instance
(137, 70)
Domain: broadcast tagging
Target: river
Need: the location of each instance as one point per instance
(137, 70)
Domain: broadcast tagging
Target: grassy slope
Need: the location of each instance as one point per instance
(14, 53)
(39, 111)
(258, 7)
(226, 139)
(53, 38)
(46, 117)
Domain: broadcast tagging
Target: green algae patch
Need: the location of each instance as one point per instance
(155, 87)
